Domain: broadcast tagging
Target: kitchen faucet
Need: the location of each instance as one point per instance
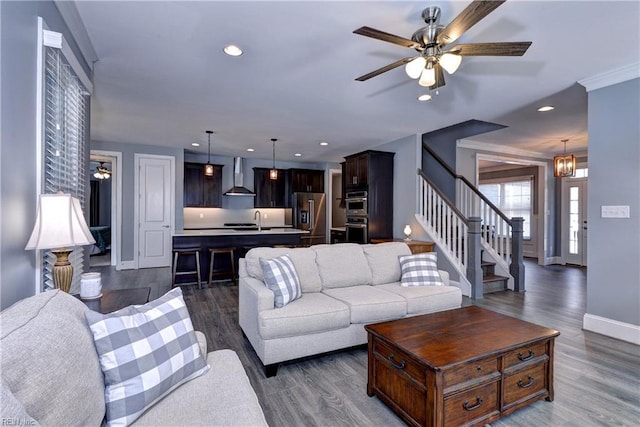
(259, 216)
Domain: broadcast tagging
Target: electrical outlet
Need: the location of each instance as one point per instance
(614, 211)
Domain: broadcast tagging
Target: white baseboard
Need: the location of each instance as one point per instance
(553, 260)
(127, 265)
(612, 328)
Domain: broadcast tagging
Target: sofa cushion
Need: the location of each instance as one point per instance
(313, 312)
(369, 303)
(145, 352)
(281, 278)
(420, 270)
(342, 265)
(13, 413)
(48, 360)
(426, 299)
(303, 259)
(383, 260)
(221, 397)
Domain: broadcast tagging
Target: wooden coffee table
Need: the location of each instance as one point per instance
(468, 366)
(116, 299)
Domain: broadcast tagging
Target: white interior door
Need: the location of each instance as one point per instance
(574, 230)
(155, 208)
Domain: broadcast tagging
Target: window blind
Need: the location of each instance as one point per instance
(65, 143)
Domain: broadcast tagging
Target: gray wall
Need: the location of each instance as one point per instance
(128, 177)
(18, 196)
(613, 248)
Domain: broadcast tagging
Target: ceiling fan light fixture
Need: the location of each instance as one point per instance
(415, 66)
(450, 62)
(102, 172)
(428, 76)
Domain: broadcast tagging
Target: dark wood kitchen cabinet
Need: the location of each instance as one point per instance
(357, 169)
(202, 191)
(269, 193)
(306, 180)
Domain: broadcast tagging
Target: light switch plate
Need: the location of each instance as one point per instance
(615, 211)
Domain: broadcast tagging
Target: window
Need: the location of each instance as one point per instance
(65, 118)
(513, 198)
(581, 173)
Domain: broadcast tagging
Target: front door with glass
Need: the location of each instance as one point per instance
(574, 222)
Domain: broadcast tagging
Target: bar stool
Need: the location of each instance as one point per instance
(212, 254)
(177, 252)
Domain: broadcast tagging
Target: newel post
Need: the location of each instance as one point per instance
(516, 268)
(474, 270)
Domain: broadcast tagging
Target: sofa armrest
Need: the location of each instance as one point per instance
(444, 275)
(253, 298)
(202, 343)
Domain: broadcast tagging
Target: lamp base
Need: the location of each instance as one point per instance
(407, 239)
(62, 270)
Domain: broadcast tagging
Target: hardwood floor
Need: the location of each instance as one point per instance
(597, 379)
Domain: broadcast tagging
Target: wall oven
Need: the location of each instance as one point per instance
(356, 203)
(357, 230)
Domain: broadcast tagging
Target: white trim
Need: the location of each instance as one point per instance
(116, 205)
(39, 138)
(128, 265)
(611, 328)
(612, 77)
(553, 260)
(329, 202)
(503, 149)
(56, 40)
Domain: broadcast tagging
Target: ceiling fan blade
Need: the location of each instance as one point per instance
(439, 78)
(470, 16)
(491, 49)
(385, 69)
(386, 37)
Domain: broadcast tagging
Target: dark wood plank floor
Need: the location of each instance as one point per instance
(597, 379)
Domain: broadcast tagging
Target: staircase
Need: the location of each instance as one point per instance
(477, 239)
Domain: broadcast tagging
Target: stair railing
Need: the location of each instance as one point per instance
(500, 236)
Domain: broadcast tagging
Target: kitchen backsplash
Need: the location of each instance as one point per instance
(217, 217)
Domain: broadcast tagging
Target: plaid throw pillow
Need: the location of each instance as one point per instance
(420, 270)
(280, 276)
(145, 352)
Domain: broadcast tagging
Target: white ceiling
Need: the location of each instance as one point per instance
(163, 79)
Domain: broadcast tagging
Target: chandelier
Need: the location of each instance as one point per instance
(565, 165)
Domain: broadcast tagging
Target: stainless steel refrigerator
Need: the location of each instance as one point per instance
(309, 213)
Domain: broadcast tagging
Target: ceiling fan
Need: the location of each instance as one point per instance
(102, 172)
(432, 42)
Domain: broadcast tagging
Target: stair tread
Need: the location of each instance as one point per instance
(493, 278)
(482, 263)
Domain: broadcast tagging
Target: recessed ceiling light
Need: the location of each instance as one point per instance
(298, 155)
(425, 97)
(251, 150)
(323, 143)
(195, 144)
(232, 50)
(546, 108)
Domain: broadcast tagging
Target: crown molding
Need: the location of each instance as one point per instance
(502, 149)
(71, 17)
(612, 77)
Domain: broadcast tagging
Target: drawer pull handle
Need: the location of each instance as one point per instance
(400, 366)
(522, 357)
(478, 404)
(521, 384)
(478, 368)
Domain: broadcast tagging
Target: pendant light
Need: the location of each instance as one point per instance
(208, 168)
(273, 173)
(565, 165)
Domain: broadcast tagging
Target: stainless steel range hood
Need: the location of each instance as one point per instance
(238, 188)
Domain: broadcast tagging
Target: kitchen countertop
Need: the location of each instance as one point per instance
(232, 232)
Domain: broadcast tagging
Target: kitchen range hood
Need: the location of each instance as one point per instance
(238, 188)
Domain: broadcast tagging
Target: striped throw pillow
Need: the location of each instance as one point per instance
(420, 270)
(145, 352)
(280, 276)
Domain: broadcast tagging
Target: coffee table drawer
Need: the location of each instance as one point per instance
(524, 354)
(400, 361)
(521, 385)
(470, 371)
(472, 405)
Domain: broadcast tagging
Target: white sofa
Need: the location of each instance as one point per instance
(51, 374)
(344, 287)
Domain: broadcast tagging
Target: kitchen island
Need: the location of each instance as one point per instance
(240, 239)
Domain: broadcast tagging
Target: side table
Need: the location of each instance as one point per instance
(416, 246)
(117, 299)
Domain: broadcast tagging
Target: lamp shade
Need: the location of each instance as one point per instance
(450, 62)
(415, 66)
(428, 77)
(59, 224)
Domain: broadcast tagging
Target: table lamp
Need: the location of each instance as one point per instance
(60, 226)
(407, 233)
